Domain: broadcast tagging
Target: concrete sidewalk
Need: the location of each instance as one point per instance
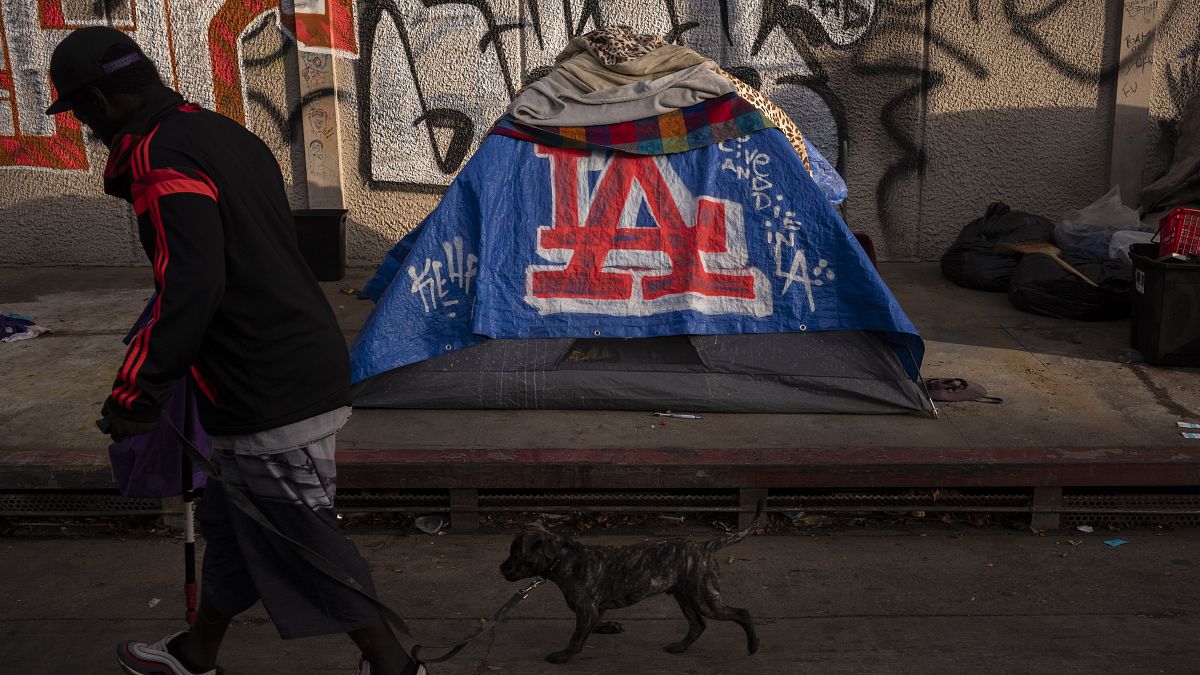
(1066, 385)
(937, 599)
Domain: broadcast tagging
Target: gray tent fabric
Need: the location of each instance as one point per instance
(1181, 184)
(819, 372)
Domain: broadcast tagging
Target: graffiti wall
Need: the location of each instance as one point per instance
(931, 108)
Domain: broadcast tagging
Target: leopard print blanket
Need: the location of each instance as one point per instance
(774, 113)
(617, 44)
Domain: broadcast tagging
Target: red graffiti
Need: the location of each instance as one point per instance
(331, 29)
(334, 29)
(589, 277)
(64, 149)
(50, 12)
(52, 16)
(224, 34)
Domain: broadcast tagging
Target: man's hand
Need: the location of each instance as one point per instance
(120, 428)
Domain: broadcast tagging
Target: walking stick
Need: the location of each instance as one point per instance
(189, 525)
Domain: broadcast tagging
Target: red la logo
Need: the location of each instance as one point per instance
(693, 258)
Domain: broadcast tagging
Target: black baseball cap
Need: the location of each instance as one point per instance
(79, 61)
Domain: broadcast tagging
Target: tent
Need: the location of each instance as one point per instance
(701, 289)
(692, 259)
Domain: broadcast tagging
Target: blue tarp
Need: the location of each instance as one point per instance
(538, 242)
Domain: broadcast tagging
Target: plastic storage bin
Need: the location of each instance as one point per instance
(322, 237)
(1165, 326)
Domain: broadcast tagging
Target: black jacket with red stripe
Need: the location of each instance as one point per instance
(237, 305)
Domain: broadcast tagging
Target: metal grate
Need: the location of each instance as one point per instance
(605, 498)
(390, 501)
(925, 500)
(72, 503)
(1131, 510)
(1093, 508)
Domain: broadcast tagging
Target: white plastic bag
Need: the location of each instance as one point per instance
(1088, 230)
(1118, 245)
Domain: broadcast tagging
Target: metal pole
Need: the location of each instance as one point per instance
(189, 525)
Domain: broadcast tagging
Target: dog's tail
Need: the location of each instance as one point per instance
(760, 516)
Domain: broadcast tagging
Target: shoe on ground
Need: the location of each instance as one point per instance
(364, 667)
(140, 658)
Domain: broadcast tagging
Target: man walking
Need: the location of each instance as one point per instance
(237, 308)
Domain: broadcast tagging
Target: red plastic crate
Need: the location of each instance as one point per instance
(1179, 232)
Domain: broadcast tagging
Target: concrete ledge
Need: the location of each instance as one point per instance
(680, 468)
(669, 468)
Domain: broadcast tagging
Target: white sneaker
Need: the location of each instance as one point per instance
(364, 667)
(140, 658)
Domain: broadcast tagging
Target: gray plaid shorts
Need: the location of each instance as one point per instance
(245, 563)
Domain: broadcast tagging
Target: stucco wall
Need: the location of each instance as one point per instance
(943, 106)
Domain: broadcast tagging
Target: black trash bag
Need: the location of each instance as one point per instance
(972, 262)
(1042, 286)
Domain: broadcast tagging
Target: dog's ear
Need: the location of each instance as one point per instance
(543, 547)
(525, 542)
(533, 541)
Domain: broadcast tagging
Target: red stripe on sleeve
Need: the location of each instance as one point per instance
(206, 387)
(162, 182)
(127, 392)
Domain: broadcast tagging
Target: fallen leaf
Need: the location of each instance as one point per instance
(948, 519)
(731, 561)
(153, 603)
(494, 668)
(937, 494)
(1073, 542)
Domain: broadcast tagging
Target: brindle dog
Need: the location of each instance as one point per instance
(594, 579)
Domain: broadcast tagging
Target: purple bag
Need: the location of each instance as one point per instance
(151, 465)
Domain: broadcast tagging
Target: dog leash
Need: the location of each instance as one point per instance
(332, 571)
